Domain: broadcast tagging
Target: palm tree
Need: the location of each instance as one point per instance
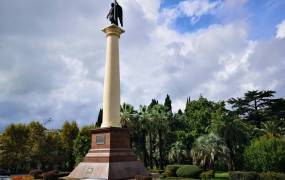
(127, 114)
(160, 116)
(235, 134)
(143, 117)
(209, 148)
(177, 153)
(271, 128)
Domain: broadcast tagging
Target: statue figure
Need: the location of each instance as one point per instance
(115, 13)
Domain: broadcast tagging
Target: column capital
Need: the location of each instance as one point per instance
(113, 30)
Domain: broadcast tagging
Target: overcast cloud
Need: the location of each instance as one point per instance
(52, 56)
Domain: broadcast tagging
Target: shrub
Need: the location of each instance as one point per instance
(156, 171)
(35, 173)
(239, 175)
(63, 174)
(140, 177)
(170, 170)
(50, 175)
(188, 171)
(207, 174)
(266, 154)
(271, 176)
(163, 175)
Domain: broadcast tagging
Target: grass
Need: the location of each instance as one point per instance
(221, 176)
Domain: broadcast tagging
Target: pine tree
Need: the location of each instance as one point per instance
(99, 119)
(167, 104)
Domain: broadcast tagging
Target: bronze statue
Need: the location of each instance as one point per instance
(115, 13)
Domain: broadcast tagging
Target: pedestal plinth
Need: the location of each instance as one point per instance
(110, 157)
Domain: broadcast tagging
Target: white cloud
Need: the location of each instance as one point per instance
(53, 64)
(193, 9)
(280, 34)
(197, 7)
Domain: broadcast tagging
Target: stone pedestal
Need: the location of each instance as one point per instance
(110, 157)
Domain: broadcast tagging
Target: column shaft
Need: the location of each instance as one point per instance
(111, 97)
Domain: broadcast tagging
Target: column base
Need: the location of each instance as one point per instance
(110, 157)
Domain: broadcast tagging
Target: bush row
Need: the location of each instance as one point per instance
(187, 171)
(239, 175)
(193, 171)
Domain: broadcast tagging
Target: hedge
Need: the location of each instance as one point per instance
(207, 174)
(191, 171)
(239, 175)
(271, 176)
(170, 170)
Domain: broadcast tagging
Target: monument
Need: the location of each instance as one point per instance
(110, 156)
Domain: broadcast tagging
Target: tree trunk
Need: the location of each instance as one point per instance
(145, 155)
(150, 151)
(160, 149)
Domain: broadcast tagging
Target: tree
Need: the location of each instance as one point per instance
(235, 135)
(100, 118)
(198, 115)
(160, 118)
(54, 156)
(277, 110)
(153, 103)
(37, 140)
(167, 104)
(209, 148)
(69, 133)
(271, 129)
(177, 153)
(253, 105)
(82, 143)
(266, 154)
(127, 114)
(14, 148)
(143, 117)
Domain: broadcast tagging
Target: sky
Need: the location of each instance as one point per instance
(52, 54)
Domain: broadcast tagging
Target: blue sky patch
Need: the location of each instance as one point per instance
(183, 24)
(261, 15)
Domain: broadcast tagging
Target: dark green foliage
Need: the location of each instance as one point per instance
(82, 143)
(235, 134)
(207, 174)
(69, 132)
(100, 118)
(188, 171)
(35, 173)
(170, 170)
(239, 175)
(266, 154)
(271, 176)
(207, 149)
(153, 103)
(253, 105)
(159, 137)
(139, 177)
(37, 143)
(198, 115)
(50, 175)
(167, 104)
(156, 171)
(14, 148)
(277, 109)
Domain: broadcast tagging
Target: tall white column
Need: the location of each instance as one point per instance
(111, 97)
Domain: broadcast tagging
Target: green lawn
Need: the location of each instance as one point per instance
(221, 175)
